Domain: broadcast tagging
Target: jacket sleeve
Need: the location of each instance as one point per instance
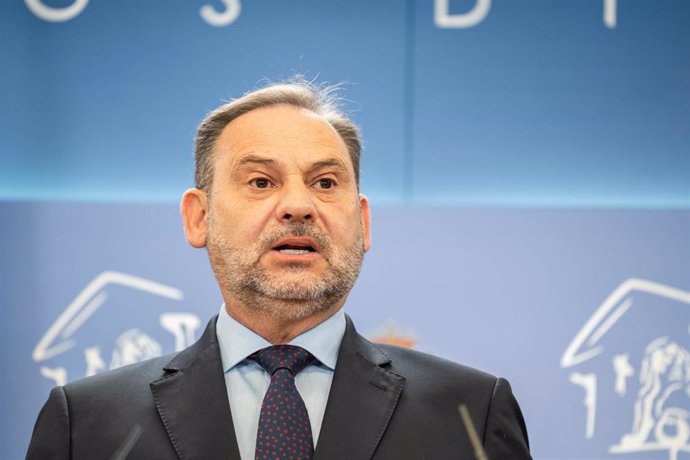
(51, 437)
(505, 435)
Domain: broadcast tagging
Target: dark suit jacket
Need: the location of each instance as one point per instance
(385, 403)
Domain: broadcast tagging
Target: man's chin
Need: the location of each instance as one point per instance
(299, 290)
(291, 305)
(294, 278)
(291, 271)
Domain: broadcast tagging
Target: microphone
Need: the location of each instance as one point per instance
(479, 452)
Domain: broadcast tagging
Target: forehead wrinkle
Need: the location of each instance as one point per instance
(234, 140)
(250, 139)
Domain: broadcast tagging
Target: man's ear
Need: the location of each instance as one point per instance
(194, 210)
(365, 215)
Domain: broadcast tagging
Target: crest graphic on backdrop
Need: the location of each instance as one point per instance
(128, 332)
(639, 369)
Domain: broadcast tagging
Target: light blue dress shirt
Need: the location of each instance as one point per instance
(247, 382)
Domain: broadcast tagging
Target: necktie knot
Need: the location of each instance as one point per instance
(289, 357)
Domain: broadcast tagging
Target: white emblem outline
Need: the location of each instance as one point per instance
(86, 303)
(600, 322)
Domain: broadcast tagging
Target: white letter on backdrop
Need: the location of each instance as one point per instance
(610, 15)
(51, 14)
(221, 18)
(460, 21)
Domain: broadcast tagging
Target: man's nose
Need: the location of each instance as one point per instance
(296, 203)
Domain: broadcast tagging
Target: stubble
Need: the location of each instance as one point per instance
(240, 272)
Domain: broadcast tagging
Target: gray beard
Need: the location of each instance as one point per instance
(240, 272)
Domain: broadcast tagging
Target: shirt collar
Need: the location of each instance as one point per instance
(237, 341)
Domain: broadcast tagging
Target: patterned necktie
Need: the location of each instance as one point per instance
(284, 430)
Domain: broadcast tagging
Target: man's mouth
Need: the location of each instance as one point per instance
(296, 246)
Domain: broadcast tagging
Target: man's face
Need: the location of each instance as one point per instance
(287, 230)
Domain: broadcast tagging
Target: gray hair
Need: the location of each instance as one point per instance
(296, 92)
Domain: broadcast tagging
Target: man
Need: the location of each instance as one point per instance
(277, 205)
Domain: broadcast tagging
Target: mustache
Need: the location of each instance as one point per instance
(268, 240)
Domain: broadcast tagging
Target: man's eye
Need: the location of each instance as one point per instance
(260, 183)
(326, 183)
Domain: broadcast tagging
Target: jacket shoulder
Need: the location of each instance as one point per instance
(413, 362)
(434, 390)
(125, 377)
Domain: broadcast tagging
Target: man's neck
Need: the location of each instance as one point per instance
(277, 330)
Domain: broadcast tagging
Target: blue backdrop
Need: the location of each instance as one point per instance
(528, 162)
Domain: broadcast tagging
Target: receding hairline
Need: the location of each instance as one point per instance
(286, 105)
(320, 101)
(303, 110)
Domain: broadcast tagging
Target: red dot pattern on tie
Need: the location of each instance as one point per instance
(284, 430)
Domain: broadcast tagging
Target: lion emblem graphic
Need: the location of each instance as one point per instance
(606, 361)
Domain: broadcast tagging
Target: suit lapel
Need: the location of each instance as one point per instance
(192, 402)
(361, 402)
